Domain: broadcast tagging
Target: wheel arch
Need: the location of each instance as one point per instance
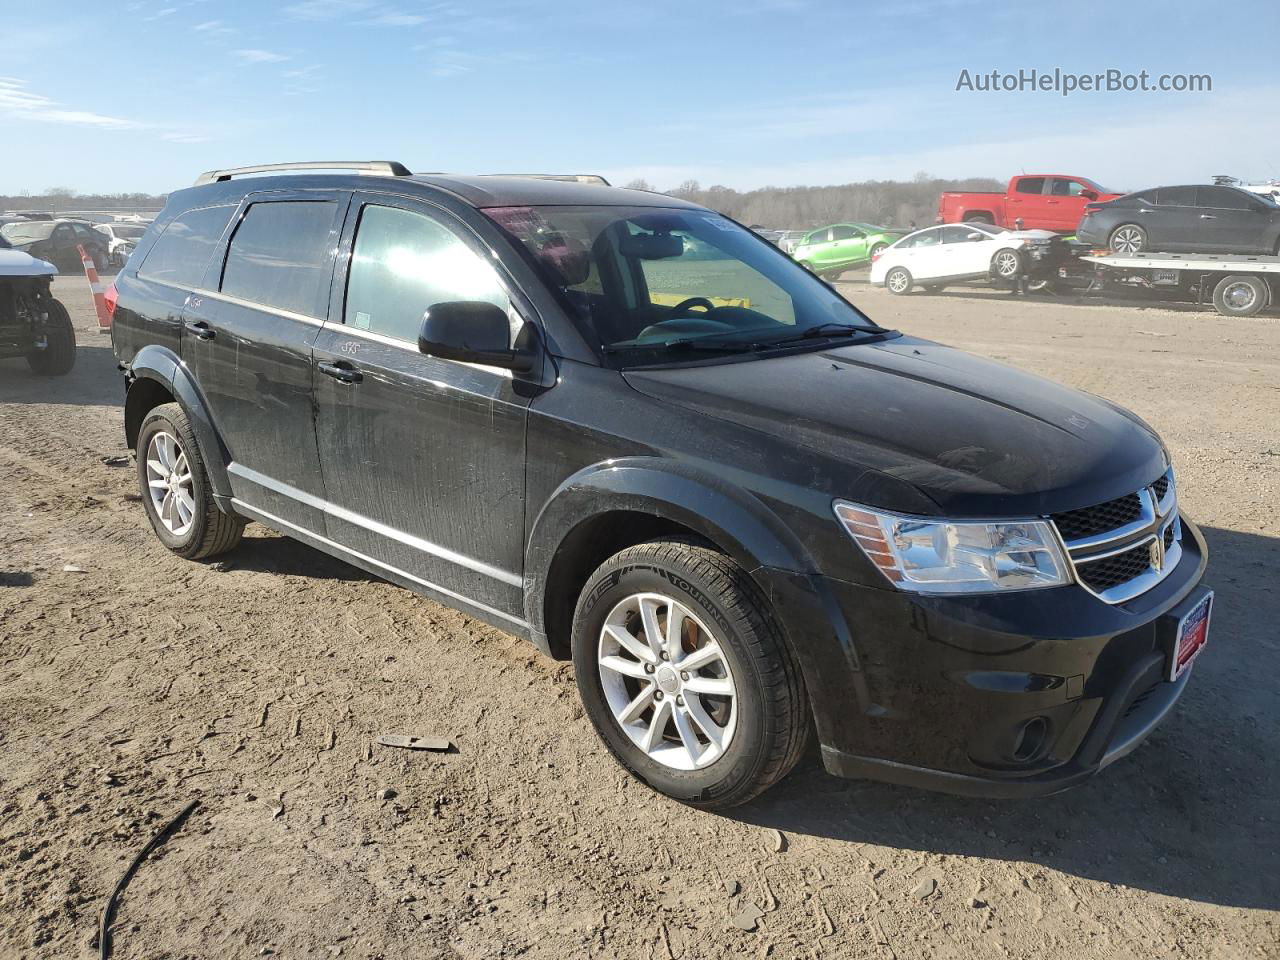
(609, 507)
(157, 376)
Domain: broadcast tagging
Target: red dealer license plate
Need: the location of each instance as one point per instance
(1193, 632)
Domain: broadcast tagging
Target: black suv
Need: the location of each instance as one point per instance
(632, 431)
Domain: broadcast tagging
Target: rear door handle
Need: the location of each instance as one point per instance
(1207, 216)
(200, 330)
(341, 371)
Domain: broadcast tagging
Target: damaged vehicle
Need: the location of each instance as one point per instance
(32, 323)
(633, 432)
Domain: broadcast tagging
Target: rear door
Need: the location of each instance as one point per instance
(923, 255)
(1028, 203)
(423, 458)
(248, 336)
(965, 255)
(1231, 221)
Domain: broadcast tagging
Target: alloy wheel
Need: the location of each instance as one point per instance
(667, 681)
(897, 281)
(169, 483)
(1127, 240)
(1007, 263)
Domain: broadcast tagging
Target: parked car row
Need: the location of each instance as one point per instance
(58, 241)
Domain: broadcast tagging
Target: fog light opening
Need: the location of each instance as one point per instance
(1031, 740)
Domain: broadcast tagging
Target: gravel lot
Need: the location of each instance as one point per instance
(145, 681)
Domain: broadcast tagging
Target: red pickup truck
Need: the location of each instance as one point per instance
(1042, 201)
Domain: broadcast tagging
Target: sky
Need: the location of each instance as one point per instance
(142, 95)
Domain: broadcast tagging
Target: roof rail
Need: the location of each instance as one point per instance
(375, 168)
(594, 178)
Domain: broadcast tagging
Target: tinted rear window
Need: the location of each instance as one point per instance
(280, 256)
(1030, 185)
(1176, 196)
(182, 252)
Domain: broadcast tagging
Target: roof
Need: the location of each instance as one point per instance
(491, 191)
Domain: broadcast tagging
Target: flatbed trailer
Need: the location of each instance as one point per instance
(1236, 285)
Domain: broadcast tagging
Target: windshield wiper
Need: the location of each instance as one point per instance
(829, 329)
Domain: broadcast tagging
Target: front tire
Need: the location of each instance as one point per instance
(1128, 238)
(175, 488)
(898, 281)
(1006, 264)
(712, 712)
(58, 355)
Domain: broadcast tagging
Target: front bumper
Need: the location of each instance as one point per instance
(1023, 694)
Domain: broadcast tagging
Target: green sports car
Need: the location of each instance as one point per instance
(829, 251)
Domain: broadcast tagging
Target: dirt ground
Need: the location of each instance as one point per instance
(258, 687)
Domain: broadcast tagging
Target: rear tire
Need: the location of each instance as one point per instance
(184, 516)
(1128, 238)
(645, 707)
(1241, 295)
(898, 281)
(58, 356)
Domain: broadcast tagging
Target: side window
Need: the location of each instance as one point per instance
(845, 233)
(957, 234)
(1030, 185)
(926, 238)
(818, 236)
(404, 263)
(1176, 196)
(280, 254)
(182, 251)
(1223, 198)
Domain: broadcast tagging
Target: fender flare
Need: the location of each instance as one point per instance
(728, 516)
(163, 366)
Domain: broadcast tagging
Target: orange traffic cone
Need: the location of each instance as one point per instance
(96, 287)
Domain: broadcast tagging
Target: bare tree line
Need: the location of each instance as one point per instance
(886, 202)
(895, 203)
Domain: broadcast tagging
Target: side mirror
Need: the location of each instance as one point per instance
(473, 331)
(1089, 194)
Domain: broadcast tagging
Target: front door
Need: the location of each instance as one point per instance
(849, 246)
(247, 335)
(1065, 204)
(423, 458)
(1174, 222)
(1231, 221)
(1028, 203)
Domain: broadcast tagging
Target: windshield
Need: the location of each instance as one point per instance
(649, 282)
(28, 232)
(1093, 186)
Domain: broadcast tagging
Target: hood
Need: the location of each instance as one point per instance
(15, 263)
(973, 436)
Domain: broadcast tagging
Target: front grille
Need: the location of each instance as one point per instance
(1092, 521)
(1101, 575)
(1124, 547)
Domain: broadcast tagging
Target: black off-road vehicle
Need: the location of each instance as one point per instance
(32, 323)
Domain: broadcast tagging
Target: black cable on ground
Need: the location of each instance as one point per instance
(109, 911)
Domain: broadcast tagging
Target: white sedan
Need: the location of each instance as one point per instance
(935, 256)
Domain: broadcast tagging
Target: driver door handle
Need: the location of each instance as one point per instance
(200, 330)
(340, 371)
(1207, 216)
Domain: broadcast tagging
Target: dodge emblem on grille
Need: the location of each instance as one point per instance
(1157, 554)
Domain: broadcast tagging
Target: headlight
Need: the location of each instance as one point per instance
(946, 556)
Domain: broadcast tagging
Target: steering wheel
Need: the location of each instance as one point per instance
(680, 308)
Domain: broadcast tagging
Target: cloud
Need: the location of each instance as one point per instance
(326, 9)
(260, 56)
(214, 28)
(184, 138)
(393, 18)
(19, 103)
(303, 80)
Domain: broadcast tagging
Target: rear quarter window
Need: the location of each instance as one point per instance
(181, 253)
